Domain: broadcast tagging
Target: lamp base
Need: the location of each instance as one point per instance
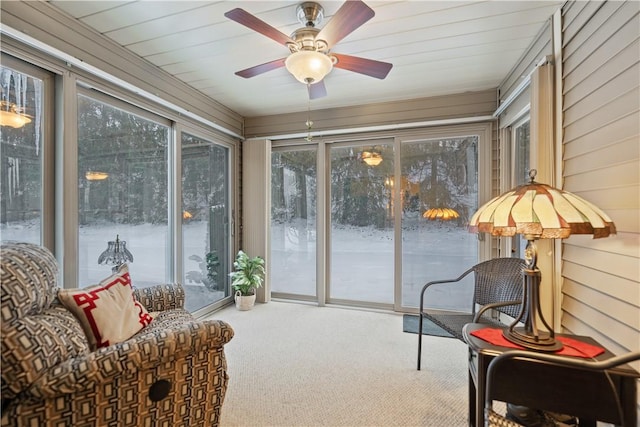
(544, 341)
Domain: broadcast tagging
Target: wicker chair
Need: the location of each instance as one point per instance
(494, 419)
(498, 285)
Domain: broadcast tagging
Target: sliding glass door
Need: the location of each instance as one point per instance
(205, 221)
(362, 223)
(440, 187)
(293, 221)
(380, 217)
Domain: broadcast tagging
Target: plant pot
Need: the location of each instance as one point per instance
(244, 302)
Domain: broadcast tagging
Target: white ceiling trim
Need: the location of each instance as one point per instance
(399, 126)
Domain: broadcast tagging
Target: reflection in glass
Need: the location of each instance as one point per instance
(293, 221)
(362, 204)
(20, 157)
(205, 221)
(522, 150)
(131, 200)
(116, 254)
(439, 173)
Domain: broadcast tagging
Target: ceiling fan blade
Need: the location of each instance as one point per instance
(351, 15)
(243, 17)
(317, 90)
(262, 68)
(369, 67)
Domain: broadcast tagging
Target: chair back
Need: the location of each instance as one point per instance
(37, 333)
(498, 280)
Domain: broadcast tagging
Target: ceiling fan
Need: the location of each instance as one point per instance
(310, 58)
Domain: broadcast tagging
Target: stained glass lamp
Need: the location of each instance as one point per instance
(444, 214)
(538, 211)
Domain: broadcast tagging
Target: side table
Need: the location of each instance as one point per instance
(542, 385)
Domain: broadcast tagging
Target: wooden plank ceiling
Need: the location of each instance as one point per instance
(436, 47)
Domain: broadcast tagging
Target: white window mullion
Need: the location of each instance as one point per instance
(67, 179)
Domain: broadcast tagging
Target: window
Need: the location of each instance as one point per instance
(205, 221)
(293, 221)
(22, 151)
(438, 174)
(113, 176)
(521, 149)
(362, 223)
(357, 209)
(122, 190)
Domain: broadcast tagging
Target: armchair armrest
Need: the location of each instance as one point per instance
(161, 297)
(141, 352)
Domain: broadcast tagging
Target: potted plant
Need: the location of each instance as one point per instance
(247, 276)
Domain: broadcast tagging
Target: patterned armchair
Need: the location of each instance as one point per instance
(171, 373)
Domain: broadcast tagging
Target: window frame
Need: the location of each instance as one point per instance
(128, 108)
(60, 172)
(315, 148)
(484, 130)
(176, 202)
(47, 204)
(517, 242)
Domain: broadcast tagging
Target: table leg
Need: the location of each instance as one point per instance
(629, 399)
(472, 401)
(481, 380)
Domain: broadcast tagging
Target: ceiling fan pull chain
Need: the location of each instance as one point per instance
(309, 123)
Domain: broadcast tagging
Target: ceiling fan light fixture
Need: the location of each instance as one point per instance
(308, 66)
(371, 158)
(10, 116)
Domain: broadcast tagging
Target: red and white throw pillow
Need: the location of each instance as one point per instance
(108, 312)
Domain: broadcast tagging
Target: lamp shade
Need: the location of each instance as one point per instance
(308, 66)
(540, 212)
(96, 175)
(444, 214)
(115, 254)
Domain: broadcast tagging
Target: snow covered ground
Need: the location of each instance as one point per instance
(362, 265)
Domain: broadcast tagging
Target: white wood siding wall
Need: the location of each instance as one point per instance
(601, 144)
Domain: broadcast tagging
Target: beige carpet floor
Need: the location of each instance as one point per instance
(294, 364)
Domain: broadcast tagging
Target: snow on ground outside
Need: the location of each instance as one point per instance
(361, 261)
